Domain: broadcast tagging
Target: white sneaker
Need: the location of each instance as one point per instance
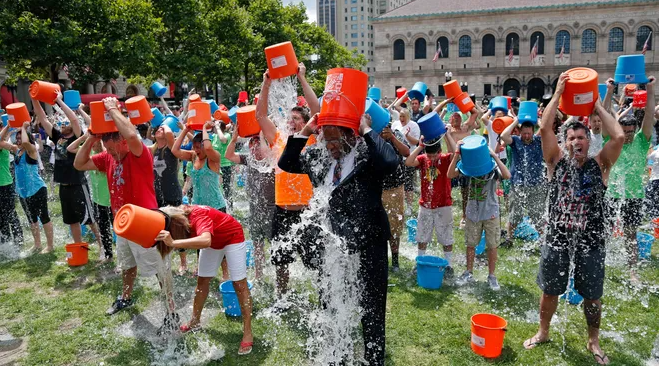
(494, 284)
(408, 211)
(462, 223)
(465, 278)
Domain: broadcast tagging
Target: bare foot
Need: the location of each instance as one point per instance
(35, 249)
(48, 250)
(535, 341)
(600, 357)
(182, 270)
(633, 278)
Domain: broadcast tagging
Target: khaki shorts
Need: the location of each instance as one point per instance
(393, 201)
(440, 219)
(130, 255)
(474, 230)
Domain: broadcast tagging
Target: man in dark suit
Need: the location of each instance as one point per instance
(353, 166)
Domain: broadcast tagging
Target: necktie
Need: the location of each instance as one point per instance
(337, 173)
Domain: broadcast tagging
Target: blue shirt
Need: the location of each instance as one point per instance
(527, 167)
(28, 180)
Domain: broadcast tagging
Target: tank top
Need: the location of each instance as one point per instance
(28, 180)
(206, 184)
(576, 206)
(291, 189)
(165, 173)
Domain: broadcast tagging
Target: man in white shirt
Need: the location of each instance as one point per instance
(412, 133)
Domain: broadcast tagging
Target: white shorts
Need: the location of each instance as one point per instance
(236, 254)
(130, 255)
(440, 219)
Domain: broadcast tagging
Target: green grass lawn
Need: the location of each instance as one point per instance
(60, 311)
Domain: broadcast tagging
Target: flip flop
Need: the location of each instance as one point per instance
(600, 359)
(244, 345)
(185, 328)
(531, 345)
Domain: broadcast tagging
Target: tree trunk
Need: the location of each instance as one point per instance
(246, 73)
(54, 73)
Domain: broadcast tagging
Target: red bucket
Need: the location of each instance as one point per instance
(640, 99)
(344, 98)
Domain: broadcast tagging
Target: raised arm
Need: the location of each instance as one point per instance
(474, 116)
(309, 95)
(550, 149)
(450, 142)
(213, 155)
(610, 85)
(441, 105)
(648, 121)
(73, 119)
(164, 106)
(507, 135)
(4, 144)
(486, 117)
(505, 173)
(126, 129)
(230, 153)
(427, 105)
(85, 116)
(612, 148)
(30, 149)
(73, 147)
(83, 160)
(267, 126)
(452, 169)
(176, 149)
(41, 117)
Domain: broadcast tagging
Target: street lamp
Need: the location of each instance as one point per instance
(448, 75)
(464, 86)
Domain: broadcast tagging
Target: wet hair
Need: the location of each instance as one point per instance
(198, 138)
(114, 136)
(527, 124)
(223, 126)
(179, 227)
(628, 120)
(575, 125)
(303, 112)
(433, 149)
(405, 112)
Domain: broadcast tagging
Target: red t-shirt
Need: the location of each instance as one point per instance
(224, 229)
(435, 184)
(129, 180)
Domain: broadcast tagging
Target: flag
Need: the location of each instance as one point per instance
(438, 54)
(645, 46)
(510, 54)
(560, 55)
(534, 50)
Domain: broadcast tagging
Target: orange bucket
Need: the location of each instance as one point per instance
(194, 98)
(500, 124)
(222, 115)
(247, 123)
(282, 61)
(487, 333)
(77, 254)
(17, 114)
(344, 98)
(630, 89)
(581, 92)
(139, 110)
(44, 91)
(198, 114)
(464, 102)
(452, 89)
(139, 225)
(655, 223)
(102, 122)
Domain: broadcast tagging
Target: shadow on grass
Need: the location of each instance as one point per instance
(37, 265)
(231, 342)
(575, 355)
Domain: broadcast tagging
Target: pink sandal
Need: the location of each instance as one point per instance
(185, 328)
(244, 345)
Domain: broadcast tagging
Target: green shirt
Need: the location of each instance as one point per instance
(626, 177)
(221, 147)
(99, 185)
(5, 174)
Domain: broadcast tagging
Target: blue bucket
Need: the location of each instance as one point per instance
(213, 105)
(418, 91)
(645, 242)
(480, 248)
(630, 69)
(5, 119)
(571, 295)
(528, 112)
(379, 115)
(431, 126)
(157, 119)
(430, 271)
(171, 121)
(72, 99)
(232, 114)
(476, 160)
(249, 246)
(525, 231)
(411, 230)
(230, 298)
(186, 200)
(158, 89)
(499, 104)
(375, 94)
(601, 89)
(452, 108)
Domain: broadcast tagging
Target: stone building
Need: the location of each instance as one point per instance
(486, 45)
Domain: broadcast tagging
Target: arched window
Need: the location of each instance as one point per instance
(540, 38)
(488, 45)
(464, 46)
(562, 42)
(643, 34)
(420, 48)
(512, 42)
(442, 44)
(616, 40)
(399, 49)
(589, 41)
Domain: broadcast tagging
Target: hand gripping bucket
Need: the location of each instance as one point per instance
(580, 93)
(452, 89)
(432, 127)
(102, 122)
(158, 89)
(198, 114)
(282, 61)
(645, 242)
(17, 114)
(418, 91)
(476, 160)
(77, 254)
(487, 333)
(640, 99)
(230, 298)
(630, 69)
(44, 91)
(411, 230)
(344, 98)
(430, 271)
(379, 115)
(139, 225)
(375, 94)
(222, 115)
(171, 121)
(138, 110)
(247, 123)
(157, 119)
(528, 112)
(232, 114)
(464, 102)
(72, 99)
(499, 104)
(400, 92)
(601, 89)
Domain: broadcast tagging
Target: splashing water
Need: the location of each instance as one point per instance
(281, 99)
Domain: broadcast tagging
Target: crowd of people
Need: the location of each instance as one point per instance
(578, 179)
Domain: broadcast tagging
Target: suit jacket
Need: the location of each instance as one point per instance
(355, 206)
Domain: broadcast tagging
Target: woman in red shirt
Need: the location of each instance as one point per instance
(218, 235)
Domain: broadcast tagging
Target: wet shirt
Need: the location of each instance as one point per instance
(576, 212)
(224, 229)
(397, 178)
(64, 172)
(291, 189)
(221, 147)
(435, 184)
(527, 168)
(626, 177)
(411, 127)
(483, 203)
(28, 180)
(416, 116)
(5, 174)
(99, 187)
(260, 187)
(165, 174)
